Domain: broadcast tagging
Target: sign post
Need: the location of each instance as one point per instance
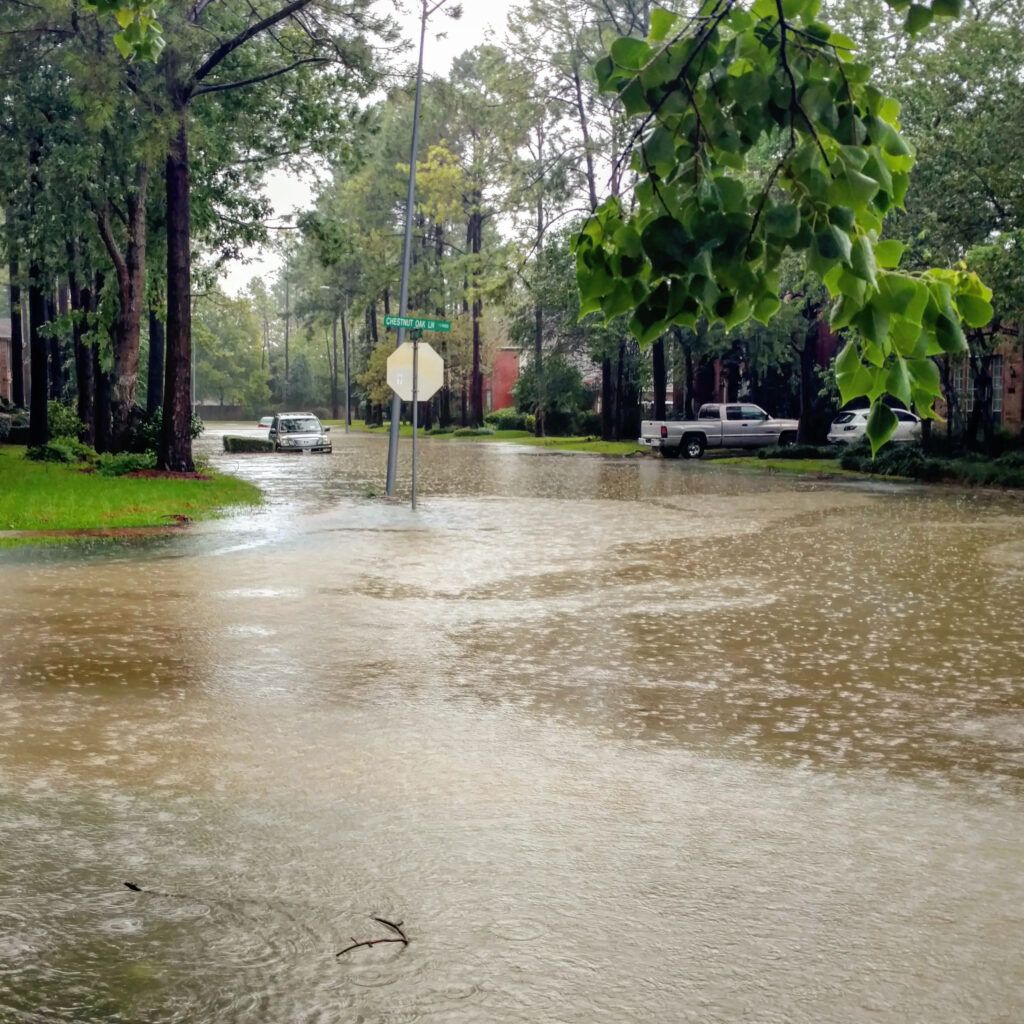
(415, 374)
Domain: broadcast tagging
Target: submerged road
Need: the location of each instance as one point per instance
(618, 740)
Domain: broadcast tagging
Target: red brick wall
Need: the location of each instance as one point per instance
(502, 378)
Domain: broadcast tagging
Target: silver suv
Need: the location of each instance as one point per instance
(299, 432)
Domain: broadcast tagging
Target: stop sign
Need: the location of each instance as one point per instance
(430, 371)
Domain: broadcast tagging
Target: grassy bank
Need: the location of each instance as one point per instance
(593, 445)
(815, 467)
(46, 496)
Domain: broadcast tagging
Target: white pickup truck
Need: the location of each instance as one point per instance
(728, 425)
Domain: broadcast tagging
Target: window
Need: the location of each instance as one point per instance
(963, 381)
(904, 417)
(733, 412)
(845, 417)
(708, 412)
(752, 412)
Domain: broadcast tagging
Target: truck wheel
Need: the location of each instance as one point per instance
(787, 440)
(693, 447)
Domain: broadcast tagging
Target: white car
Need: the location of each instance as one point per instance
(265, 422)
(299, 432)
(850, 426)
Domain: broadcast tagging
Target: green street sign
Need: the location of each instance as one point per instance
(415, 323)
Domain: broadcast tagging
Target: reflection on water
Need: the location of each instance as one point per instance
(618, 740)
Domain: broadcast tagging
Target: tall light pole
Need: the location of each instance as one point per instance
(426, 9)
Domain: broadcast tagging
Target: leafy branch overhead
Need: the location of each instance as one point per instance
(756, 131)
(140, 35)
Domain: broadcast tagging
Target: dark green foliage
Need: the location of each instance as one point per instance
(798, 451)
(64, 421)
(510, 419)
(145, 435)
(472, 432)
(239, 445)
(5, 427)
(558, 393)
(66, 450)
(125, 462)
(909, 461)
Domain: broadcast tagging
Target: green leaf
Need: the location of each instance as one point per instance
(767, 306)
(852, 189)
(889, 253)
(833, 244)
(925, 376)
(919, 18)
(124, 46)
(124, 16)
(782, 220)
(947, 8)
(862, 260)
(661, 24)
(898, 382)
(881, 425)
(630, 53)
(667, 244)
(976, 312)
(949, 335)
(853, 378)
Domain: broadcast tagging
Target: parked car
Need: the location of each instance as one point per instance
(264, 423)
(850, 426)
(299, 432)
(718, 425)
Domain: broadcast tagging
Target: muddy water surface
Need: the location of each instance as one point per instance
(617, 740)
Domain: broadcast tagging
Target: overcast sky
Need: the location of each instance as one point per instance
(479, 19)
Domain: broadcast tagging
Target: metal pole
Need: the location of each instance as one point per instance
(348, 383)
(396, 402)
(415, 407)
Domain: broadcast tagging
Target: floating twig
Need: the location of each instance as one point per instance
(395, 926)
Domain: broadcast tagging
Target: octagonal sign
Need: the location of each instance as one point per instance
(430, 372)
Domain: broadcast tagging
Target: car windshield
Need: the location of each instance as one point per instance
(300, 425)
(845, 417)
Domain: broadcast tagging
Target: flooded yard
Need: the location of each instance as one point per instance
(617, 740)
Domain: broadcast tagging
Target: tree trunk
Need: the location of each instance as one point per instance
(333, 360)
(387, 302)
(691, 386)
(372, 314)
(103, 427)
(607, 401)
(588, 154)
(38, 423)
(175, 451)
(155, 367)
(477, 383)
(56, 356)
(660, 378)
(17, 351)
(808, 392)
(81, 303)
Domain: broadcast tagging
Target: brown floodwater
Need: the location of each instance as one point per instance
(618, 740)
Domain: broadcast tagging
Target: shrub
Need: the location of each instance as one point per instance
(144, 436)
(510, 419)
(125, 462)
(5, 426)
(588, 423)
(240, 445)
(18, 434)
(473, 432)
(64, 421)
(65, 450)
(798, 451)
(440, 430)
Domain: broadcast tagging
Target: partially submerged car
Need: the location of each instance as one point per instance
(299, 432)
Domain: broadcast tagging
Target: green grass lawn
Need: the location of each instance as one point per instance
(47, 496)
(594, 445)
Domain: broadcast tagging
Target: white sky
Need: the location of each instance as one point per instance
(289, 193)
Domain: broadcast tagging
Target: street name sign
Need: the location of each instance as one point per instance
(429, 370)
(415, 323)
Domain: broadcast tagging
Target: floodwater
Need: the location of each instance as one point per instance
(616, 740)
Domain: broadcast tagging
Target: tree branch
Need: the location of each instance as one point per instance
(394, 926)
(229, 47)
(225, 86)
